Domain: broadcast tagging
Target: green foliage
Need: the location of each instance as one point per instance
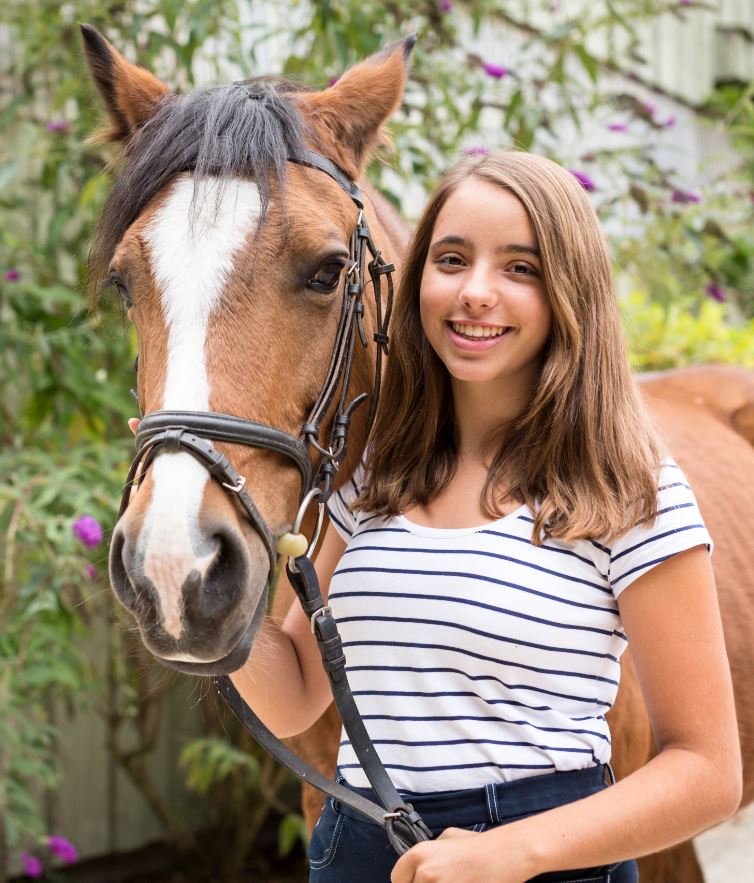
(669, 336)
(210, 761)
(292, 830)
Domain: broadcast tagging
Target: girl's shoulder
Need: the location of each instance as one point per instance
(339, 505)
(678, 525)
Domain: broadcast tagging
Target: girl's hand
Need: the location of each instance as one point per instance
(133, 424)
(458, 856)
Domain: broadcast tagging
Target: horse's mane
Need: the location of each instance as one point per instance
(246, 129)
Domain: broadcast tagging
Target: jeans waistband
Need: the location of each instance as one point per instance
(499, 802)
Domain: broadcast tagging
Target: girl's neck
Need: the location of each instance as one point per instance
(484, 413)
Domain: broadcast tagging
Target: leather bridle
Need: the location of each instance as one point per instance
(194, 431)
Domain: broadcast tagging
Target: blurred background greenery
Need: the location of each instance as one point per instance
(683, 247)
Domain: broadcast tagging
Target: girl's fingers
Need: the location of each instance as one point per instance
(133, 424)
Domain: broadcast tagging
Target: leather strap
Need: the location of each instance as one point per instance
(227, 428)
(403, 825)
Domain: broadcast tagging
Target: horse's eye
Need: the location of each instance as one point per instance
(120, 286)
(326, 278)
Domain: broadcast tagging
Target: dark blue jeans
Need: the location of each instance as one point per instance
(347, 848)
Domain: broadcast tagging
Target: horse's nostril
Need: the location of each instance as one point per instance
(225, 580)
(119, 578)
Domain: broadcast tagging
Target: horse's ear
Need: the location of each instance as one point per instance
(130, 93)
(355, 108)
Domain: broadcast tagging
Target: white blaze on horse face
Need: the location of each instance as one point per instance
(193, 239)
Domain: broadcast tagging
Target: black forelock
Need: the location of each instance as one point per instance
(247, 129)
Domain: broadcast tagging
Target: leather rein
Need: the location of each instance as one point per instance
(193, 433)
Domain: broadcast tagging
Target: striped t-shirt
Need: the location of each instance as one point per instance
(475, 656)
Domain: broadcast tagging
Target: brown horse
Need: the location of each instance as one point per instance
(229, 259)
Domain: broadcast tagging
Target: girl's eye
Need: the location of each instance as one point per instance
(326, 278)
(524, 269)
(450, 260)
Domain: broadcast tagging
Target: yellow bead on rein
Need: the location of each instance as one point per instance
(292, 544)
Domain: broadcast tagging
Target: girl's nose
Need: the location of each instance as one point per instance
(478, 291)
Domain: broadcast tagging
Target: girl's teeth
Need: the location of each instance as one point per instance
(477, 330)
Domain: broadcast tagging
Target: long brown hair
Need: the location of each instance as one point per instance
(583, 455)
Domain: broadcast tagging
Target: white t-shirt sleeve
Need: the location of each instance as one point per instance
(339, 505)
(678, 526)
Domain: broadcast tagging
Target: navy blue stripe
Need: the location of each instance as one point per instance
(510, 536)
(666, 487)
(590, 700)
(469, 694)
(476, 576)
(345, 743)
(356, 488)
(498, 661)
(492, 607)
(646, 565)
(361, 533)
(652, 539)
(518, 642)
(488, 719)
(339, 522)
(458, 766)
(677, 506)
(498, 555)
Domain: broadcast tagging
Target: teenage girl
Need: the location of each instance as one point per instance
(516, 523)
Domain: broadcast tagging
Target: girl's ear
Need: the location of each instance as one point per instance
(130, 93)
(354, 110)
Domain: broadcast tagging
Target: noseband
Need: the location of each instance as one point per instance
(194, 432)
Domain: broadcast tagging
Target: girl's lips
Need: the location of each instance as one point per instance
(478, 343)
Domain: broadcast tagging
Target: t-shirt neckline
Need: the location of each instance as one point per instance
(422, 530)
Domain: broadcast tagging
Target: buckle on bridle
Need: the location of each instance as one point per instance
(237, 487)
(321, 612)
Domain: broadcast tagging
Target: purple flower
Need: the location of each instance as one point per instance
(91, 571)
(332, 81)
(618, 127)
(476, 150)
(583, 179)
(495, 70)
(32, 866)
(88, 530)
(446, 5)
(64, 849)
(650, 109)
(670, 122)
(716, 292)
(12, 275)
(58, 126)
(684, 2)
(684, 197)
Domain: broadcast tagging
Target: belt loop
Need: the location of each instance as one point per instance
(489, 793)
(610, 773)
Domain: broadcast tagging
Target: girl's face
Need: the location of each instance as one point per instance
(482, 300)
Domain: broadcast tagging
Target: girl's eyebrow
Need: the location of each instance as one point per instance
(510, 248)
(518, 248)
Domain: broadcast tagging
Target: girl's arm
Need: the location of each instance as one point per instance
(672, 619)
(283, 680)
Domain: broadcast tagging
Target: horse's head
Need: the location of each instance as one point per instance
(231, 260)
